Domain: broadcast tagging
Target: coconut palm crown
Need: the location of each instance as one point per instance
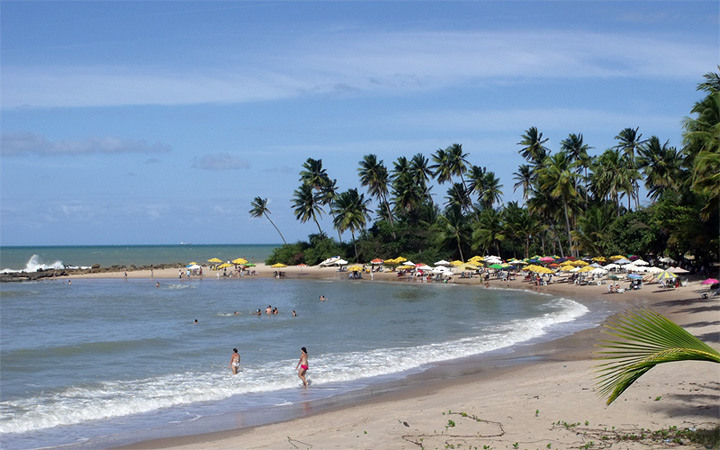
(645, 339)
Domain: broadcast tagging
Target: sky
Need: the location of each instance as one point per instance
(159, 122)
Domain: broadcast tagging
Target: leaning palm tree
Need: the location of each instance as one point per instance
(307, 205)
(374, 175)
(259, 208)
(646, 339)
(351, 213)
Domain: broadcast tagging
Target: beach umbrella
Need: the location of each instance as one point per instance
(599, 259)
(423, 267)
(653, 269)
(193, 263)
(622, 261)
(587, 269)
(224, 265)
(340, 262)
(580, 263)
(456, 263)
(249, 265)
(193, 266)
(634, 276)
(677, 270)
(666, 260)
(277, 265)
(240, 261)
(376, 261)
(406, 267)
(214, 260)
(442, 262)
(665, 275)
(495, 266)
(641, 262)
(567, 268)
(546, 259)
(616, 257)
(710, 281)
(355, 268)
(611, 266)
(400, 259)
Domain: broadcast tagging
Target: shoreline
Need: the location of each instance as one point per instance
(416, 411)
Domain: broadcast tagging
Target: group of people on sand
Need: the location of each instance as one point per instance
(302, 366)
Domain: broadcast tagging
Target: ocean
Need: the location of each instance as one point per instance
(106, 362)
(30, 259)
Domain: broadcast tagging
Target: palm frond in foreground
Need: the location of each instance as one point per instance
(645, 339)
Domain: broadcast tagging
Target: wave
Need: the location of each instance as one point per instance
(111, 399)
(35, 263)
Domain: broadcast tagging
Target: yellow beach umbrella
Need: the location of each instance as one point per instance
(222, 266)
(276, 265)
(355, 268)
(214, 260)
(471, 267)
(600, 259)
(580, 263)
(456, 263)
(193, 263)
(406, 267)
(586, 269)
(567, 268)
(616, 257)
(239, 261)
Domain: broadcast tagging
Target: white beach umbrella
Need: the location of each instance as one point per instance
(423, 267)
(623, 261)
(442, 262)
(640, 262)
(611, 266)
(678, 270)
(408, 263)
(667, 260)
(598, 271)
(340, 262)
(653, 269)
(596, 265)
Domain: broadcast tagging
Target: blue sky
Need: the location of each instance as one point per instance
(159, 122)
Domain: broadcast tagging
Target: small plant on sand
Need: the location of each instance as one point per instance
(450, 424)
(537, 412)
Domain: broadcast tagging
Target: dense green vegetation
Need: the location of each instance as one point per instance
(574, 204)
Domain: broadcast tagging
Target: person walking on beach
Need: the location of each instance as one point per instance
(303, 364)
(235, 361)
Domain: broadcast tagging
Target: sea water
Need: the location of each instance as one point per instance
(30, 259)
(105, 362)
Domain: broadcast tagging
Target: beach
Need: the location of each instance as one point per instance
(541, 396)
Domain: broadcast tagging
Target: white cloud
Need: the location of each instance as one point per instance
(16, 144)
(348, 63)
(220, 161)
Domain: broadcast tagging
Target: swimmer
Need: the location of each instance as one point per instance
(235, 361)
(196, 322)
(157, 284)
(303, 364)
(294, 313)
(258, 313)
(275, 310)
(268, 310)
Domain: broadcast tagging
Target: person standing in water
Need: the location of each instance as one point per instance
(303, 364)
(235, 361)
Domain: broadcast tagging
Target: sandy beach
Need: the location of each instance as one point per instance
(542, 396)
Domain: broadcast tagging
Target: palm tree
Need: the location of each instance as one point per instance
(646, 339)
(453, 227)
(313, 173)
(420, 170)
(520, 225)
(259, 208)
(491, 192)
(374, 175)
(457, 161)
(557, 178)
(524, 177)
(534, 149)
(351, 213)
(629, 143)
(458, 196)
(662, 165)
(488, 231)
(578, 151)
(307, 205)
(593, 230)
(327, 195)
(605, 182)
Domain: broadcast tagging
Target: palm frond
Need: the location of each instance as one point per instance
(644, 340)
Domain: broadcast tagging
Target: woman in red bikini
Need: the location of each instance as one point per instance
(303, 364)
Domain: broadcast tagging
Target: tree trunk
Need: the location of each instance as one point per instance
(352, 232)
(567, 227)
(276, 229)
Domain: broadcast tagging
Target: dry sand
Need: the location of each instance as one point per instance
(547, 402)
